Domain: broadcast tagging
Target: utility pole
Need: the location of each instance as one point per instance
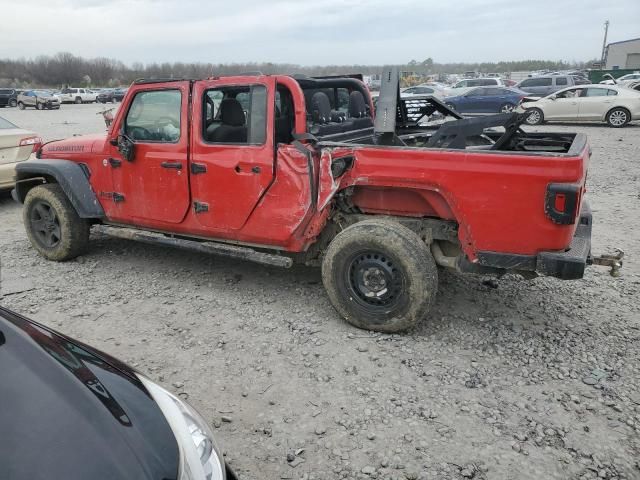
(604, 44)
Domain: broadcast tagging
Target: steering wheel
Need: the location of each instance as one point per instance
(138, 133)
(168, 121)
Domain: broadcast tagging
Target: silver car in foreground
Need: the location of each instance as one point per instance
(611, 104)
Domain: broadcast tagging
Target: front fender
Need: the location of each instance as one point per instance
(71, 177)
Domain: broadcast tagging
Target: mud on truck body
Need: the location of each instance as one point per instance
(282, 170)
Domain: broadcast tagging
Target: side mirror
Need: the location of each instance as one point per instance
(126, 147)
(553, 97)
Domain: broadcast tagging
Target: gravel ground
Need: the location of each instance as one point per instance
(537, 379)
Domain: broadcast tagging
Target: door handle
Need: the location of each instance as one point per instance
(243, 168)
(174, 165)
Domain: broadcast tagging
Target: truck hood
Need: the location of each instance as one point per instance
(69, 411)
(80, 145)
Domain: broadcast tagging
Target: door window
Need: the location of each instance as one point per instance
(154, 116)
(235, 114)
(571, 93)
(597, 92)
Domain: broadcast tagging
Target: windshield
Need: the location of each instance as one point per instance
(41, 93)
(6, 124)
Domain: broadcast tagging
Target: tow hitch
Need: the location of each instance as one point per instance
(613, 261)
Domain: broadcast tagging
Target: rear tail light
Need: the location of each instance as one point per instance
(562, 202)
(35, 141)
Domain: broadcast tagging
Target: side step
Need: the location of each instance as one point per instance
(235, 251)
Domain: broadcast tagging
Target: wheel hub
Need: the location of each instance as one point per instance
(45, 225)
(374, 280)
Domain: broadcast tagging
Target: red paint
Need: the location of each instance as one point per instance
(497, 198)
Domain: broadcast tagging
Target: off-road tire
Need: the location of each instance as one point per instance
(538, 117)
(21, 105)
(385, 248)
(73, 230)
(78, 100)
(618, 117)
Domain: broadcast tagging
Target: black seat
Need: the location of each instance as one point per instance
(233, 128)
(358, 112)
(320, 108)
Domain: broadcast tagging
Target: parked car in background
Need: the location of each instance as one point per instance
(72, 412)
(8, 97)
(39, 99)
(545, 85)
(623, 80)
(77, 95)
(612, 104)
(423, 89)
(111, 95)
(490, 99)
(16, 145)
(478, 82)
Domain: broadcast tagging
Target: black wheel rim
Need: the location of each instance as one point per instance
(375, 281)
(45, 224)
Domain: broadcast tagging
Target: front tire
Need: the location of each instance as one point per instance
(21, 105)
(78, 100)
(535, 117)
(507, 108)
(618, 117)
(380, 276)
(53, 226)
(38, 106)
(13, 103)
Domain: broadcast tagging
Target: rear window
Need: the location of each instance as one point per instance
(561, 81)
(6, 124)
(536, 82)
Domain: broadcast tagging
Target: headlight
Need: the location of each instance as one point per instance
(200, 458)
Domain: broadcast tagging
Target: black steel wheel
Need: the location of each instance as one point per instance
(53, 226)
(380, 275)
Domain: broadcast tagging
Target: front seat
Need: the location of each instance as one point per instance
(233, 128)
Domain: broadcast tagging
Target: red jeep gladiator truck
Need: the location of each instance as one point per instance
(283, 169)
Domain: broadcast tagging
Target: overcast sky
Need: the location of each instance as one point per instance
(315, 32)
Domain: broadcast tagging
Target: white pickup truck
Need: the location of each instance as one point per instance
(77, 95)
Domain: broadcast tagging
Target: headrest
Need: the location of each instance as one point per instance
(231, 112)
(357, 105)
(320, 108)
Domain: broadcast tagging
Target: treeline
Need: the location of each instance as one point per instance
(67, 69)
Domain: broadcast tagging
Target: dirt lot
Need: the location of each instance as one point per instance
(536, 379)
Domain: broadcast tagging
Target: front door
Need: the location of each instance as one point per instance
(564, 106)
(153, 188)
(232, 160)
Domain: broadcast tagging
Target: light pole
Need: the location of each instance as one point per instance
(604, 44)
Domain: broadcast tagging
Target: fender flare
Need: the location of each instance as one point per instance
(72, 178)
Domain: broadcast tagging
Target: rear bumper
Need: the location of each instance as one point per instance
(7, 176)
(566, 265)
(570, 264)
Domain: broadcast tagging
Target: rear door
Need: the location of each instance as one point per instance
(232, 160)
(595, 102)
(153, 188)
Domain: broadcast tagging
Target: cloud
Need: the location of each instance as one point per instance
(316, 32)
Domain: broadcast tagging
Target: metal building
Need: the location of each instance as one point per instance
(623, 55)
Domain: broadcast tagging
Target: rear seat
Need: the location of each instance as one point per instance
(330, 122)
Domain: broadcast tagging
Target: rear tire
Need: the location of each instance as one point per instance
(618, 117)
(380, 276)
(535, 117)
(13, 103)
(53, 226)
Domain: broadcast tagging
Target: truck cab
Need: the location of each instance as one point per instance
(303, 169)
